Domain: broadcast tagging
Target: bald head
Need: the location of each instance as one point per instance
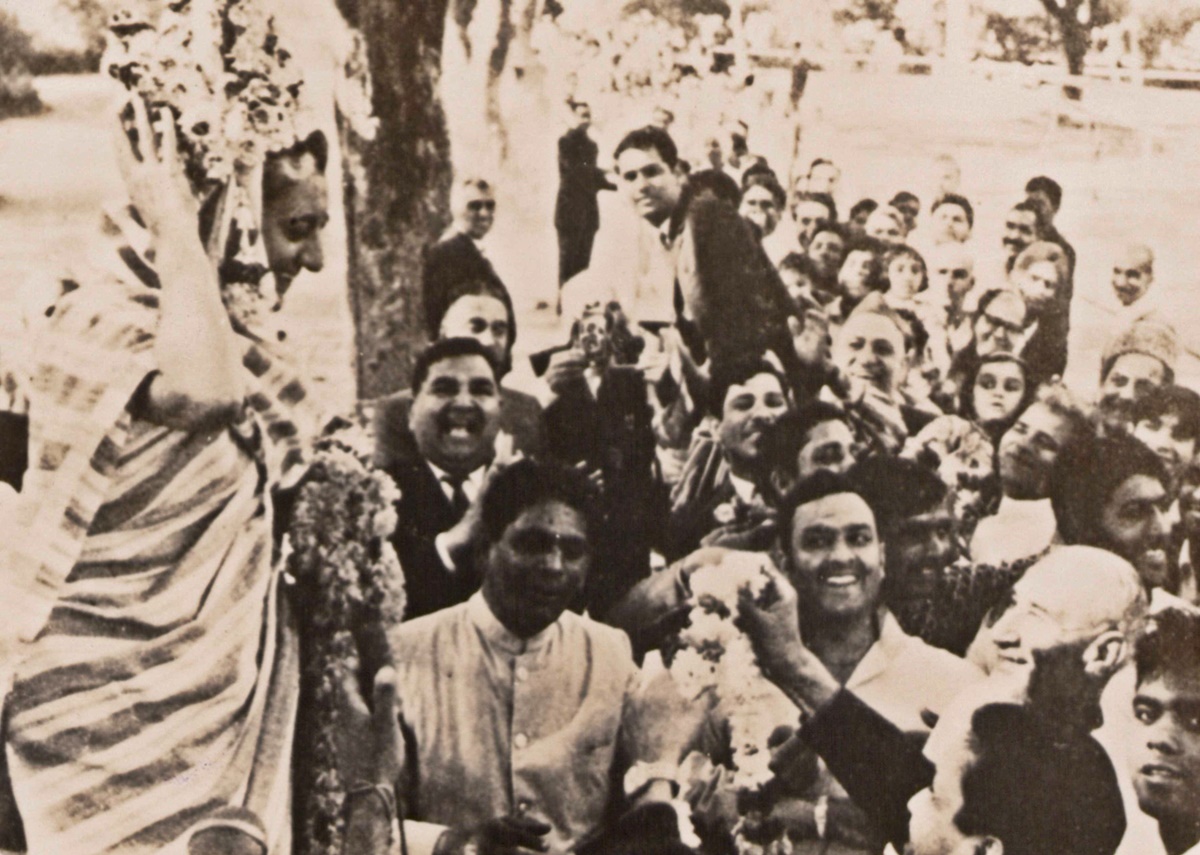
(1077, 597)
(1133, 273)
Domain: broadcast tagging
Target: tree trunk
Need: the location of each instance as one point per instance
(396, 187)
(1076, 41)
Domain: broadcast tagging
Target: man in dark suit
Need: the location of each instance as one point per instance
(600, 419)
(576, 214)
(454, 419)
(459, 256)
(481, 310)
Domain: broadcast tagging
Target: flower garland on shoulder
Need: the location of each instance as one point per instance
(350, 590)
(716, 654)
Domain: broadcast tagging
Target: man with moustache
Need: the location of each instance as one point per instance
(1138, 359)
(454, 420)
(1112, 493)
(1024, 525)
(1011, 759)
(1024, 225)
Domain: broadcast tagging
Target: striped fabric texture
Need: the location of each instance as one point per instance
(154, 683)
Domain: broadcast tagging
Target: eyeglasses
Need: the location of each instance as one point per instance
(481, 205)
(999, 323)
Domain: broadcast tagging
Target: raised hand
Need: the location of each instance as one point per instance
(148, 154)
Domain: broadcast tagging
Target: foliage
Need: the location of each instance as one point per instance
(17, 95)
(1023, 39)
(350, 589)
(1163, 22)
(883, 12)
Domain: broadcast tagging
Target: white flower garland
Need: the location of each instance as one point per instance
(718, 655)
(221, 68)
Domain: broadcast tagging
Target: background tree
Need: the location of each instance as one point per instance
(397, 186)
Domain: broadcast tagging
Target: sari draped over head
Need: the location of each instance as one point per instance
(155, 680)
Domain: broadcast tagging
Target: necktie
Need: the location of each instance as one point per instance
(458, 496)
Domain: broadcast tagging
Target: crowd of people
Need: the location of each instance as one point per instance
(980, 631)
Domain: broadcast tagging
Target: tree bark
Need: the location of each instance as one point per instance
(396, 187)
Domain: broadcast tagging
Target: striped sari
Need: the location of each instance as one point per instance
(158, 680)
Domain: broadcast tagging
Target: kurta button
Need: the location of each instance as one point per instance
(521, 740)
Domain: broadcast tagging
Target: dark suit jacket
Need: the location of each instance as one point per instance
(448, 262)
(424, 512)
(579, 181)
(1035, 790)
(612, 433)
(520, 416)
(14, 448)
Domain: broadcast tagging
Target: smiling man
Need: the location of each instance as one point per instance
(1011, 760)
(749, 399)
(834, 559)
(454, 420)
(1112, 493)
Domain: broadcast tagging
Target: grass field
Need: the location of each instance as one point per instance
(1127, 158)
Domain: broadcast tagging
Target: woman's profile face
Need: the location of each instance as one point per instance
(999, 388)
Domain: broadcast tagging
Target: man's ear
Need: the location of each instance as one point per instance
(1105, 655)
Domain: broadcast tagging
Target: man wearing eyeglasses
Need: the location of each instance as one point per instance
(460, 255)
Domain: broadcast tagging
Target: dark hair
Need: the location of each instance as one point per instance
(904, 251)
(1047, 185)
(815, 413)
(904, 196)
(960, 201)
(1027, 397)
(830, 226)
(876, 248)
(863, 205)
(647, 138)
(824, 198)
(821, 161)
(989, 296)
(735, 372)
(474, 288)
(1170, 641)
(799, 263)
(765, 178)
(449, 348)
(1084, 477)
(1038, 212)
(894, 488)
(1177, 401)
(525, 484)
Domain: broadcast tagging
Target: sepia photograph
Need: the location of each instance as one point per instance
(599, 427)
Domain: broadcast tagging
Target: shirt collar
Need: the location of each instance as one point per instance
(743, 489)
(472, 483)
(890, 644)
(496, 634)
